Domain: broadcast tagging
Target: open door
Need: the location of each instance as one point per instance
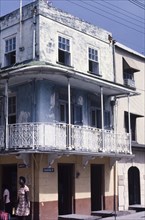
(134, 185)
(97, 187)
(9, 178)
(65, 189)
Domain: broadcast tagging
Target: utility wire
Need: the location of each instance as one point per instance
(86, 8)
(104, 16)
(116, 15)
(119, 8)
(139, 4)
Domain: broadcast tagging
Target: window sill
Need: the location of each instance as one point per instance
(94, 74)
(62, 64)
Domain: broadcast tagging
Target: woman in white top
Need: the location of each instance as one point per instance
(6, 200)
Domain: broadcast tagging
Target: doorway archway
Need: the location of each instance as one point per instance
(134, 185)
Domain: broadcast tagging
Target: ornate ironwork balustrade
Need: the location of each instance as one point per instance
(58, 136)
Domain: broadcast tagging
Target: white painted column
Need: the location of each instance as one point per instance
(69, 115)
(6, 115)
(129, 124)
(102, 118)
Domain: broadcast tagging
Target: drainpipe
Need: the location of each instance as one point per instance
(69, 115)
(20, 24)
(34, 32)
(115, 123)
(129, 126)
(114, 64)
(115, 187)
(102, 117)
(6, 115)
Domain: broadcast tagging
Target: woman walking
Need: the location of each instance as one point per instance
(23, 207)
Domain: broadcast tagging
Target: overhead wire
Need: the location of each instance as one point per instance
(116, 15)
(103, 15)
(134, 16)
(75, 2)
(137, 3)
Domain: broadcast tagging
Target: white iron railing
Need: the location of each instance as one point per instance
(55, 136)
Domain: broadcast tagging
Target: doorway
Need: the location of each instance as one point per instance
(97, 187)
(9, 178)
(65, 189)
(134, 185)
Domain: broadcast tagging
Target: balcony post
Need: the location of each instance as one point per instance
(69, 115)
(102, 118)
(129, 125)
(6, 114)
(115, 126)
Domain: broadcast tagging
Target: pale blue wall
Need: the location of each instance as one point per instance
(38, 101)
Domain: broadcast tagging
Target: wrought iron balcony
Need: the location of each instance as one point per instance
(62, 137)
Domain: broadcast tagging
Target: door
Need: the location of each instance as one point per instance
(97, 187)
(134, 185)
(9, 178)
(65, 189)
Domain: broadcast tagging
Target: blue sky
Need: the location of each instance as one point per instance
(124, 18)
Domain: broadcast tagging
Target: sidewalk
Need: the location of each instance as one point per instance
(135, 216)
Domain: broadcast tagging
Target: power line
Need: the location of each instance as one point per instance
(128, 12)
(104, 16)
(119, 16)
(137, 3)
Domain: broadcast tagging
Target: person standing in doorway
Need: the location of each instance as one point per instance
(6, 199)
(23, 206)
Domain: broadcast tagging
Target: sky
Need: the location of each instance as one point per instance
(125, 19)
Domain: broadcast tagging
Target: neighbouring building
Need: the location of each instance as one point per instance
(58, 93)
(130, 71)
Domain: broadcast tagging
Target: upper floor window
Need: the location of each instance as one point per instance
(10, 51)
(133, 118)
(78, 114)
(12, 110)
(96, 117)
(64, 51)
(76, 111)
(1, 110)
(93, 61)
(10, 45)
(63, 111)
(129, 69)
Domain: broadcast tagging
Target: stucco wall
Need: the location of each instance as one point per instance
(136, 103)
(123, 167)
(38, 38)
(79, 44)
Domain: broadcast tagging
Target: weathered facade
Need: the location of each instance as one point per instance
(57, 111)
(130, 69)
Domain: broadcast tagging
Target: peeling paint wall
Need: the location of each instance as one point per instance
(10, 26)
(54, 23)
(39, 101)
(124, 165)
(45, 102)
(40, 33)
(137, 102)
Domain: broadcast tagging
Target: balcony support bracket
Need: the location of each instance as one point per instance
(24, 157)
(113, 161)
(52, 158)
(86, 159)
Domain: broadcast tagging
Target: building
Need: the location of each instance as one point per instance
(130, 70)
(58, 91)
